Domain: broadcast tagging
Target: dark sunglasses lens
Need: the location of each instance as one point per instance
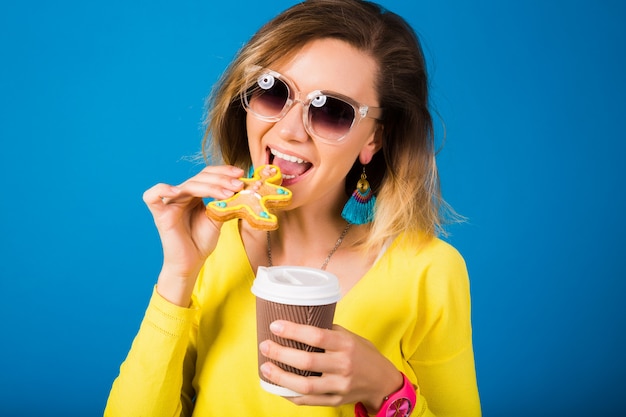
(267, 96)
(330, 117)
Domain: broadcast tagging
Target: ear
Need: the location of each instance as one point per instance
(373, 145)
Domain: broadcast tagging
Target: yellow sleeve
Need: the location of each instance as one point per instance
(443, 357)
(414, 306)
(155, 379)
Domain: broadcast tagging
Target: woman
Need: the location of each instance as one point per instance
(330, 92)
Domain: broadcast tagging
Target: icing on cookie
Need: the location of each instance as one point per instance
(260, 194)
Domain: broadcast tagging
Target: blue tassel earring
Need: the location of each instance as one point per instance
(360, 207)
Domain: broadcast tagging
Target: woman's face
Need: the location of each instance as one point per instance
(312, 168)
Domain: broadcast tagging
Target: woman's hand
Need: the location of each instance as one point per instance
(187, 235)
(352, 368)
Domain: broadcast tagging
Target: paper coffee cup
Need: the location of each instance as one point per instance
(298, 294)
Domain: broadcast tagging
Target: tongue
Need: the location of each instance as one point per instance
(291, 168)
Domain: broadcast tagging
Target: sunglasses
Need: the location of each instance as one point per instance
(326, 115)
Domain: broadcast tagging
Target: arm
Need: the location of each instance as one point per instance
(440, 350)
(155, 378)
(187, 235)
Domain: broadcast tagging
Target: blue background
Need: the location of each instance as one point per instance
(102, 99)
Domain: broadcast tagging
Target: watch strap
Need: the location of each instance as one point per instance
(399, 404)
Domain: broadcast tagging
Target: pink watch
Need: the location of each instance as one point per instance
(398, 404)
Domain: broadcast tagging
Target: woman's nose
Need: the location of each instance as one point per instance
(291, 126)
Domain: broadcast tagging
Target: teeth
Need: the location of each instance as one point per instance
(286, 157)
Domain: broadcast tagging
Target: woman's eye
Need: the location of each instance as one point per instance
(318, 101)
(266, 81)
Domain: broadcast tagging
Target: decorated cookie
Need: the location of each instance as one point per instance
(260, 193)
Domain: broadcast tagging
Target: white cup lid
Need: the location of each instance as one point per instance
(296, 285)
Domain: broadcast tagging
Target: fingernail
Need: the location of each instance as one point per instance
(276, 327)
(265, 370)
(237, 183)
(228, 193)
(264, 348)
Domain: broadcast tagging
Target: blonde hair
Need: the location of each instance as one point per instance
(403, 173)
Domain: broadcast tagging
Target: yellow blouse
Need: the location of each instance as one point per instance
(413, 304)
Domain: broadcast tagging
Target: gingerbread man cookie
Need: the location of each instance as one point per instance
(260, 193)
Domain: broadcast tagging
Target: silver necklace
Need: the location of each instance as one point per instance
(330, 254)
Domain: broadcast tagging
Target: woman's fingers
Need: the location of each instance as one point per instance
(306, 361)
(311, 387)
(329, 340)
(322, 362)
(217, 182)
(209, 185)
(214, 182)
(160, 194)
(336, 359)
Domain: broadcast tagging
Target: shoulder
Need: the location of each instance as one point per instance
(428, 264)
(420, 251)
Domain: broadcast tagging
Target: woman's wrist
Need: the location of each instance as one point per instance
(389, 385)
(400, 402)
(176, 290)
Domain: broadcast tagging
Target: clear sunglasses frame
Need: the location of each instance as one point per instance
(361, 111)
